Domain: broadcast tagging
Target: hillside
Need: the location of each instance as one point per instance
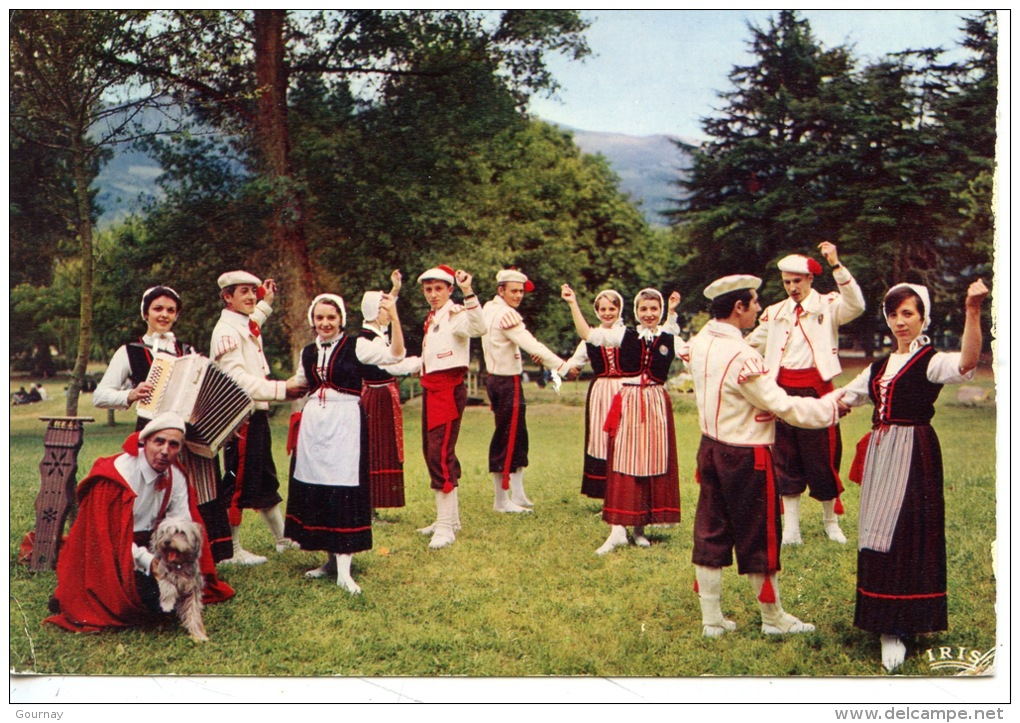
(648, 167)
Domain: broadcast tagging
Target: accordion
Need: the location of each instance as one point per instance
(211, 403)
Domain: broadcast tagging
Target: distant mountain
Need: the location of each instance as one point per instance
(648, 167)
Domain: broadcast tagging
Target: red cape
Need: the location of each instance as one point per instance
(95, 570)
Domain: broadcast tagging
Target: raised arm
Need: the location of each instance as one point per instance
(970, 344)
(389, 303)
(567, 294)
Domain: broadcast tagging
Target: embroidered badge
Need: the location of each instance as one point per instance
(664, 350)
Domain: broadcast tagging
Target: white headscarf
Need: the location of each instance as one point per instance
(921, 291)
(615, 296)
(370, 305)
(328, 297)
(654, 292)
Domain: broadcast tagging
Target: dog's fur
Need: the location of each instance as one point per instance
(176, 545)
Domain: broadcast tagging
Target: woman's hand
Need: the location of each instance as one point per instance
(142, 391)
(674, 301)
(976, 294)
(398, 280)
(567, 294)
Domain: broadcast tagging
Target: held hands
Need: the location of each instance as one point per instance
(398, 280)
(268, 291)
(673, 302)
(295, 389)
(828, 250)
(976, 294)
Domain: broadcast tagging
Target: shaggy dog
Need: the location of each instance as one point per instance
(176, 545)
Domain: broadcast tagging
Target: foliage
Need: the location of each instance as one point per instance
(522, 595)
(893, 163)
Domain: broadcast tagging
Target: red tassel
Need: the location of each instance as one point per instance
(234, 516)
(857, 466)
(838, 507)
(768, 593)
(697, 591)
(131, 444)
(292, 432)
(697, 479)
(447, 487)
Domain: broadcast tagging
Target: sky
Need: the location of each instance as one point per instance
(660, 71)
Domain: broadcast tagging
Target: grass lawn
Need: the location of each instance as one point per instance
(519, 595)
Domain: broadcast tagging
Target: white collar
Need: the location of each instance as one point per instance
(159, 341)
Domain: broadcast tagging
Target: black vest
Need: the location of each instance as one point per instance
(604, 360)
(911, 397)
(343, 372)
(651, 360)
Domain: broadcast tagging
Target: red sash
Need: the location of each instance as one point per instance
(441, 405)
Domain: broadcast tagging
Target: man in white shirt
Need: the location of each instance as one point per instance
(505, 337)
(249, 479)
(738, 501)
(445, 356)
(106, 572)
(799, 338)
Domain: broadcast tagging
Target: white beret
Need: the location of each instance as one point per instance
(800, 264)
(438, 273)
(513, 275)
(734, 282)
(235, 278)
(166, 420)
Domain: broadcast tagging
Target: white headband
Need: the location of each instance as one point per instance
(328, 297)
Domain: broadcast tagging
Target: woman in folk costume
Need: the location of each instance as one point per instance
(329, 505)
(602, 389)
(124, 383)
(901, 548)
(642, 485)
(380, 400)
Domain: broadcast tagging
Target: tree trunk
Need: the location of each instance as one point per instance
(81, 191)
(273, 138)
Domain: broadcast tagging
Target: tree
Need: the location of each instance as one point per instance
(62, 90)
(242, 86)
(761, 187)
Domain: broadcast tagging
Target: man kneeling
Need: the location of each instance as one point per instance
(105, 572)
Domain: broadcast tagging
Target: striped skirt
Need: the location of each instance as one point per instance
(601, 392)
(642, 491)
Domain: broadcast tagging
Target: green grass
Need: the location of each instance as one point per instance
(517, 595)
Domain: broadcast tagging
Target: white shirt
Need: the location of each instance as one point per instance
(239, 354)
(378, 352)
(505, 336)
(141, 477)
(737, 400)
(814, 341)
(113, 389)
(446, 344)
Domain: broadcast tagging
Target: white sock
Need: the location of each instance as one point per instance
(639, 537)
(894, 652)
(830, 521)
(343, 574)
(617, 537)
(791, 520)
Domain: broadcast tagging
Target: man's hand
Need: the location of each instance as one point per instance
(828, 250)
(463, 279)
(269, 289)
